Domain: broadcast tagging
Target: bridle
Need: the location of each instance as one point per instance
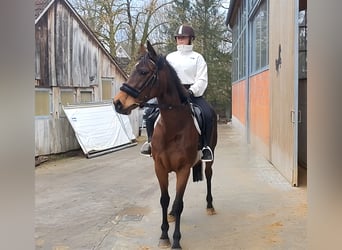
(134, 92)
(150, 82)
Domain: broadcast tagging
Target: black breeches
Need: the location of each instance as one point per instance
(150, 116)
(207, 114)
(149, 128)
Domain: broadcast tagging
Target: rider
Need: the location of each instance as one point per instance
(192, 71)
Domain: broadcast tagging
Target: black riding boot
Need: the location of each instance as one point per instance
(207, 153)
(146, 147)
(150, 118)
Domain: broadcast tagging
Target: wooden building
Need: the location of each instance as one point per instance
(71, 67)
(269, 79)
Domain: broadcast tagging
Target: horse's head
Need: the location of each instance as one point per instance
(139, 87)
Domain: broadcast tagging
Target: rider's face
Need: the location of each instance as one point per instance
(183, 40)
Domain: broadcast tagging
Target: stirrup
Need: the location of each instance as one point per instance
(145, 149)
(207, 154)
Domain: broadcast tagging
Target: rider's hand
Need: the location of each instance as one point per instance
(190, 92)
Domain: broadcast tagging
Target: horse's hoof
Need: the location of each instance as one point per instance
(171, 218)
(211, 211)
(176, 247)
(164, 243)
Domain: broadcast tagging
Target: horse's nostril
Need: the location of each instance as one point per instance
(117, 105)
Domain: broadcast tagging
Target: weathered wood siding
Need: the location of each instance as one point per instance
(54, 136)
(68, 55)
(42, 53)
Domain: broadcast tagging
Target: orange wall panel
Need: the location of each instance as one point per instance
(260, 106)
(239, 101)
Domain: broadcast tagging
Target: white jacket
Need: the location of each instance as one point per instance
(190, 67)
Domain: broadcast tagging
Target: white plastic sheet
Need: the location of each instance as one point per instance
(98, 127)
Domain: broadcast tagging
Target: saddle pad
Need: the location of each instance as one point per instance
(196, 124)
(193, 117)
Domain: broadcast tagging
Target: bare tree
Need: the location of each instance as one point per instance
(142, 21)
(102, 18)
(125, 22)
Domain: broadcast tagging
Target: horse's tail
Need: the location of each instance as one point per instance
(197, 172)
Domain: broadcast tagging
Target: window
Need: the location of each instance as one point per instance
(67, 97)
(242, 56)
(239, 44)
(42, 102)
(302, 65)
(86, 96)
(235, 55)
(106, 89)
(255, 17)
(260, 38)
(251, 3)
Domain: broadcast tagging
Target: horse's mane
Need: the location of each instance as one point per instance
(161, 62)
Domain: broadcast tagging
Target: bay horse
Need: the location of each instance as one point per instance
(175, 140)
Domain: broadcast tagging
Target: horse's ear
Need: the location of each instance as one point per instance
(142, 50)
(151, 50)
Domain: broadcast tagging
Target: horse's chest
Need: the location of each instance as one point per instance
(175, 152)
(180, 142)
(175, 146)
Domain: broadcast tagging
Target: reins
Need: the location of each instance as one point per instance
(165, 106)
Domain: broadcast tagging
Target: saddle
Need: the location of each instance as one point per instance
(198, 117)
(152, 114)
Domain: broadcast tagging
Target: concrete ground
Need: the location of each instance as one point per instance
(112, 202)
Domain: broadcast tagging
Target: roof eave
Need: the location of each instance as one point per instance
(230, 12)
(43, 12)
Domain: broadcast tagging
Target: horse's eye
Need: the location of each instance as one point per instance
(144, 72)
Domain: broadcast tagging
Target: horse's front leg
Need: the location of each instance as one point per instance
(162, 176)
(177, 207)
(164, 238)
(209, 198)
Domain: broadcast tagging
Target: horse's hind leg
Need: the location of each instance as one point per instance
(209, 198)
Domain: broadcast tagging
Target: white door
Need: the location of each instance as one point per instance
(283, 52)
